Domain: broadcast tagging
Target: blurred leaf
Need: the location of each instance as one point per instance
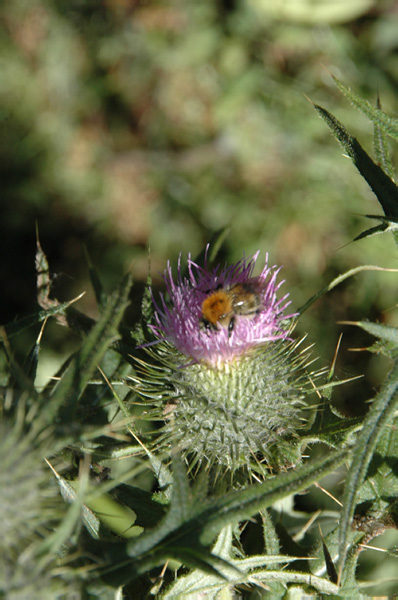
(100, 295)
(119, 519)
(69, 494)
(75, 319)
(210, 253)
(307, 11)
(52, 307)
(148, 511)
(140, 330)
(43, 278)
(71, 519)
(16, 376)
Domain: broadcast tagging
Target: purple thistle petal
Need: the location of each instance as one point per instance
(179, 319)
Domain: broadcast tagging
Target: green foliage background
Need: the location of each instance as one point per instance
(128, 124)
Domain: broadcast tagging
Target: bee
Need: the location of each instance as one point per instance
(225, 304)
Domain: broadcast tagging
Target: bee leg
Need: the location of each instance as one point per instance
(206, 326)
(231, 325)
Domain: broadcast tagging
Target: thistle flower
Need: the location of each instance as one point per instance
(180, 322)
(231, 385)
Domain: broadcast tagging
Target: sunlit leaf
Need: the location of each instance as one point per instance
(384, 188)
(374, 113)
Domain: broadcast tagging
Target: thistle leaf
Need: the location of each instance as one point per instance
(382, 480)
(331, 428)
(375, 114)
(64, 398)
(244, 504)
(372, 231)
(189, 528)
(379, 416)
(200, 583)
(176, 537)
(386, 333)
(384, 188)
(381, 147)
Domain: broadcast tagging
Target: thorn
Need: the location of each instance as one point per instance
(328, 493)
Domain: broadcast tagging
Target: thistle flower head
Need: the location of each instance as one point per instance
(225, 376)
(216, 315)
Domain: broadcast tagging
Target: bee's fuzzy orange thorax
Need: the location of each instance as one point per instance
(216, 306)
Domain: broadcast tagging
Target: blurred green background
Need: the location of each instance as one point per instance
(127, 125)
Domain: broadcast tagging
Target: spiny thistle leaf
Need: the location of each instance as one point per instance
(198, 583)
(382, 479)
(378, 417)
(387, 333)
(387, 224)
(176, 537)
(64, 314)
(331, 428)
(271, 539)
(60, 308)
(189, 527)
(236, 506)
(261, 577)
(381, 147)
(375, 114)
(384, 188)
(64, 398)
(330, 567)
(182, 511)
(382, 228)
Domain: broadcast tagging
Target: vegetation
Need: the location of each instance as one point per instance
(130, 126)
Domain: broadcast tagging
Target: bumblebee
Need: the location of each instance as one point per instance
(224, 305)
